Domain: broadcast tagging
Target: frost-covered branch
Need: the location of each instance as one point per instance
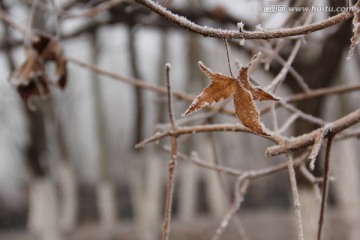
(309, 139)
(230, 34)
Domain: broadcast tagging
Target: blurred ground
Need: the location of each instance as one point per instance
(259, 225)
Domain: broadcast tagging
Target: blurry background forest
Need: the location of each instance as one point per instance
(69, 169)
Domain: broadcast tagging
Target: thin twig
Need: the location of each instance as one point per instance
(241, 186)
(296, 198)
(348, 134)
(57, 20)
(274, 117)
(288, 122)
(205, 164)
(321, 92)
(274, 54)
(229, 34)
(28, 34)
(314, 94)
(170, 190)
(236, 221)
(325, 187)
(253, 174)
(203, 128)
(4, 17)
(227, 47)
(92, 12)
(305, 116)
(140, 84)
(285, 69)
(312, 179)
(172, 163)
(282, 74)
(309, 138)
(189, 98)
(169, 95)
(183, 121)
(319, 139)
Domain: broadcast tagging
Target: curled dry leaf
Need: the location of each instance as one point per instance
(31, 78)
(356, 29)
(222, 87)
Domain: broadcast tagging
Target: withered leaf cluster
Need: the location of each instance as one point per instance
(222, 87)
(31, 78)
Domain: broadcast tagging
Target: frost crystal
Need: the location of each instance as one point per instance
(240, 26)
(242, 42)
(259, 28)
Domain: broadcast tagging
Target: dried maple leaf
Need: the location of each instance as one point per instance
(31, 78)
(222, 87)
(50, 51)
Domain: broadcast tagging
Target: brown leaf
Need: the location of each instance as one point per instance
(50, 51)
(257, 93)
(37, 87)
(246, 111)
(31, 68)
(222, 87)
(31, 78)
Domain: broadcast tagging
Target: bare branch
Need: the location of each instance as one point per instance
(203, 128)
(5, 18)
(314, 94)
(282, 74)
(312, 179)
(288, 122)
(305, 116)
(319, 138)
(241, 186)
(189, 98)
(92, 12)
(140, 84)
(321, 92)
(227, 48)
(325, 187)
(170, 189)
(309, 138)
(253, 174)
(296, 198)
(204, 164)
(172, 163)
(348, 134)
(229, 34)
(169, 95)
(273, 53)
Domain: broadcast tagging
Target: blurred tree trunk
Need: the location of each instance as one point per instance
(105, 187)
(69, 200)
(146, 168)
(7, 39)
(347, 186)
(215, 193)
(43, 208)
(68, 204)
(347, 182)
(42, 216)
(188, 173)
